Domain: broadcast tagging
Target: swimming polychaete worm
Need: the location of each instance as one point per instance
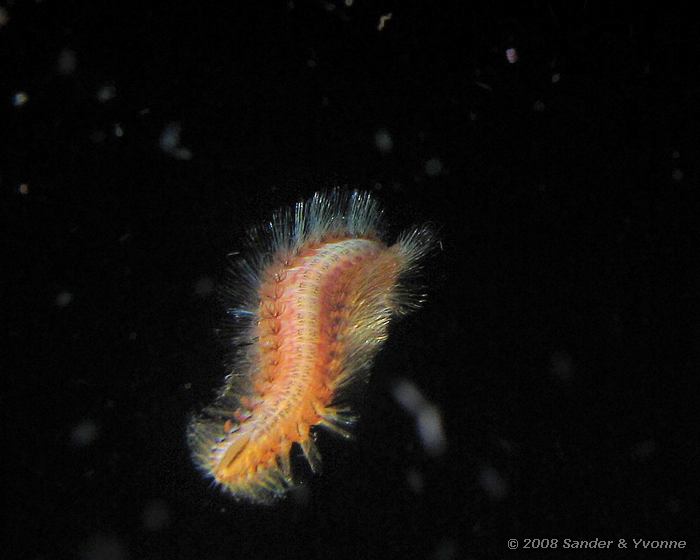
(314, 297)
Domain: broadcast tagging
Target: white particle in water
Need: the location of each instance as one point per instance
(106, 92)
(383, 20)
(427, 416)
(383, 141)
(170, 142)
(433, 167)
(63, 299)
(20, 98)
(84, 433)
(430, 431)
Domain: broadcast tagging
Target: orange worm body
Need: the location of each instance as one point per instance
(315, 309)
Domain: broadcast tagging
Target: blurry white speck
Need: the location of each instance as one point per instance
(311, 63)
(84, 433)
(383, 141)
(103, 547)
(325, 101)
(67, 62)
(118, 130)
(427, 416)
(538, 106)
(106, 92)
(132, 335)
(472, 116)
(170, 142)
(348, 3)
(432, 436)
(511, 55)
(20, 98)
(675, 154)
(482, 85)
(561, 365)
(63, 299)
(555, 78)
(383, 20)
(156, 515)
(677, 175)
(414, 479)
(204, 286)
(408, 396)
(4, 17)
(433, 167)
(170, 137)
(493, 483)
(24, 189)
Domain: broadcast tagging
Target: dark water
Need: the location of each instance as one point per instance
(560, 340)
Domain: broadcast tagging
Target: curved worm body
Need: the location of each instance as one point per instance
(316, 296)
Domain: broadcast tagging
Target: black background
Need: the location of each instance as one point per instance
(560, 340)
